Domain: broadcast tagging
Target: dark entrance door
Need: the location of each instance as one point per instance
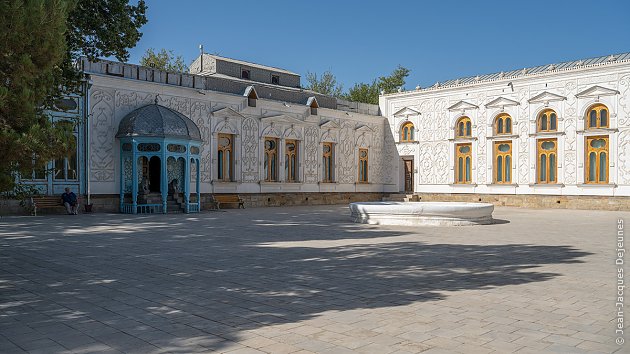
(155, 173)
(408, 175)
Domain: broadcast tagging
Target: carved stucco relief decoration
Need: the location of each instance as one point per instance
(127, 101)
(433, 121)
(523, 139)
(180, 104)
(311, 143)
(570, 167)
(433, 163)
(523, 157)
(271, 130)
(441, 123)
(624, 101)
(200, 114)
(407, 150)
(623, 141)
(481, 154)
(102, 138)
(346, 154)
(440, 153)
(249, 150)
(376, 155)
(390, 157)
(226, 126)
(293, 133)
(481, 139)
(329, 135)
(570, 128)
(363, 140)
(425, 167)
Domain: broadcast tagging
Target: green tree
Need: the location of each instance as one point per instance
(163, 60)
(326, 84)
(98, 29)
(396, 80)
(40, 41)
(368, 93)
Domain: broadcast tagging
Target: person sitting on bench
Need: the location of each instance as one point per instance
(70, 201)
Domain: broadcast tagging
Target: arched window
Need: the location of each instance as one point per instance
(597, 117)
(290, 160)
(548, 121)
(597, 159)
(463, 128)
(225, 157)
(503, 124)
(328, 162)
(547, 161)
(407, 132)
(363, 165)
(463, 163)
(271, 159)
(503, 162)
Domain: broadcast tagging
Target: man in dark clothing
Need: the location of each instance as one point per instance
(70, 202)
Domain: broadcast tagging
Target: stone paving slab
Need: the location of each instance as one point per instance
(306, 280)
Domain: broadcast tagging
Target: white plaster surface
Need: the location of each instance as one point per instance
(422, 213)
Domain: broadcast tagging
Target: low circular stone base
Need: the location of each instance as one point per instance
(422, 213)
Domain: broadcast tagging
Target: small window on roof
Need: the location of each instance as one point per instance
(245, 74)
(275, 79)
(314, 111)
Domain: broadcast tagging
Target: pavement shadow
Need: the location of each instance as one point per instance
(177, 282)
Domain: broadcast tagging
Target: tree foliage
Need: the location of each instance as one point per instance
(361, 92)
(40, 41)
(163, 60)
(368, 93)
(395, 80)
(326, 84)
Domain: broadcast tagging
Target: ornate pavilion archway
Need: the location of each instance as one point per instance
(159, 149)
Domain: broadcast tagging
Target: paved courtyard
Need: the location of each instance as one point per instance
(304, 279)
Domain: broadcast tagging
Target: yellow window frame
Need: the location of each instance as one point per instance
(503, 124)
(364, 156)
(463, 163)
(597, 110)
(463, 128)
(502, 167)
(546, 162)
(597, 168)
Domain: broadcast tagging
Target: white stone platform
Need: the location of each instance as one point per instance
(422, 213)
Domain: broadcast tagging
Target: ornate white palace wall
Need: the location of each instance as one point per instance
(112, 97)
(570, 93)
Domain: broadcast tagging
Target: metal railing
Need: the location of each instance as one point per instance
(193, 207)
(142, 208)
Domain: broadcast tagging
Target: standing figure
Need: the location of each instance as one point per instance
(144, 186)
(173, 188)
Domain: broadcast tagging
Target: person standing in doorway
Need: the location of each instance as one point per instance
(70, 202)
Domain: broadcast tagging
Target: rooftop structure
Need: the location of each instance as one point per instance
(531, 71)
(208, 64)
(223, 83)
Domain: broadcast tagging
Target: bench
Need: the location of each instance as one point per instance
(47, 202)
(219, 199)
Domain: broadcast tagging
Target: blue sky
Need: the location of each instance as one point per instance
(361, 40)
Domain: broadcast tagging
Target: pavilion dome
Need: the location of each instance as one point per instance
(154, 120)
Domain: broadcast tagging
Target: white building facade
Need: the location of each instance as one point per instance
(268, 143)
(549, 136)
(561, 129)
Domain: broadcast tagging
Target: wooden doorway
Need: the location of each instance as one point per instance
(408, 175)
